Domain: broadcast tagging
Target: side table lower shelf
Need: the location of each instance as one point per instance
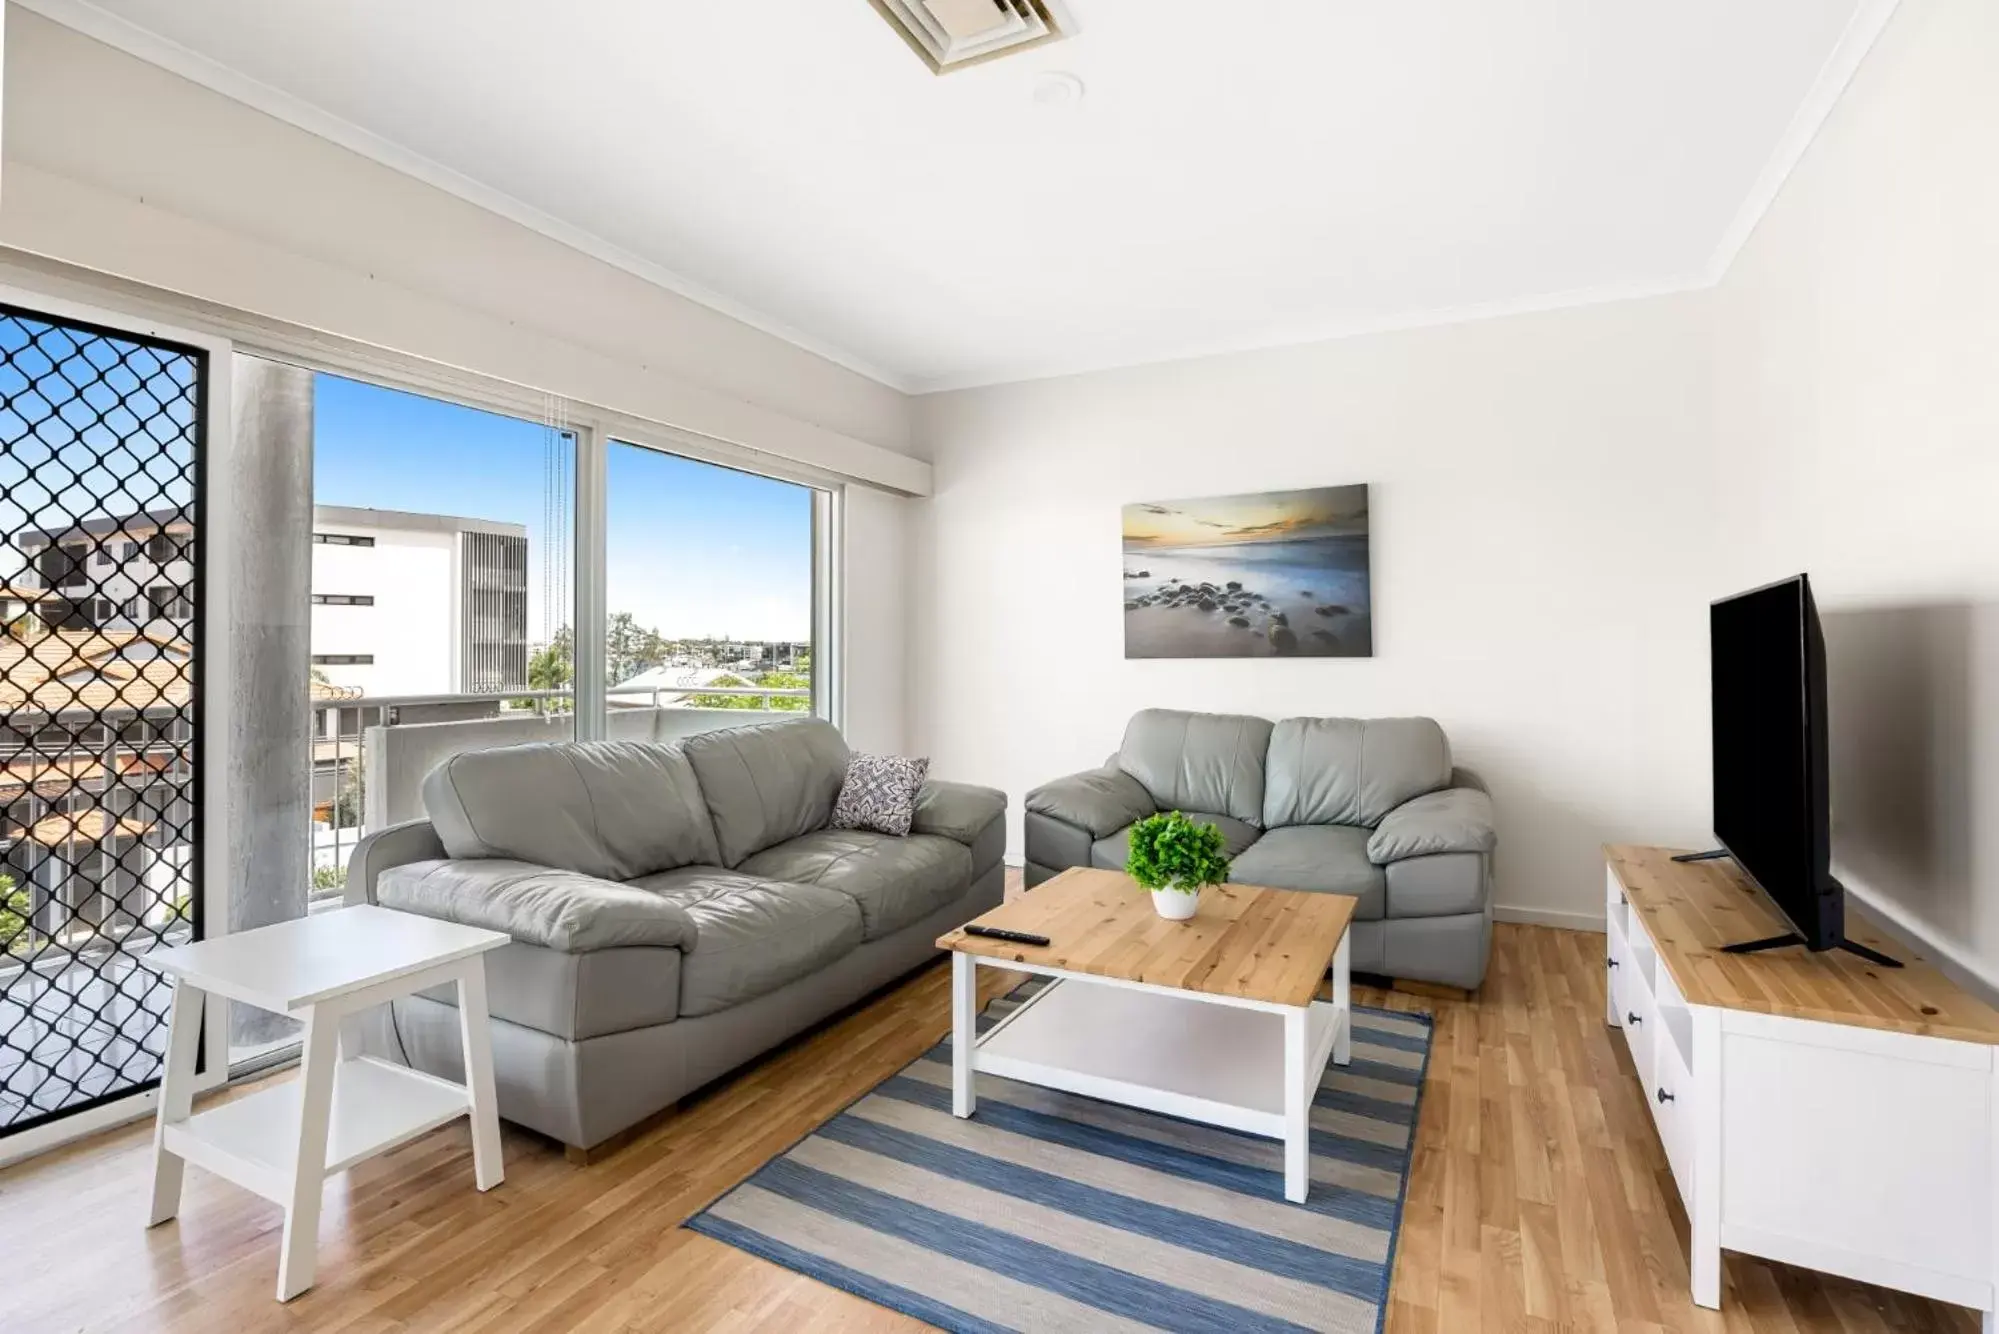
(253, 1141)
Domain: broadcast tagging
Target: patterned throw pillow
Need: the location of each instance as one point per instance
(879, 793)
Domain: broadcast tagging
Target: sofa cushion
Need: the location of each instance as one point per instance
(609, 809)
(879, 793)
(1351, 771)
(768, 783)
(1331, 858)
(1199, 761)
(1439, 885)
(894, 881)
(753, 935)
(1111, 852)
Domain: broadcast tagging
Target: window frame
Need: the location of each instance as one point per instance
(827, 700)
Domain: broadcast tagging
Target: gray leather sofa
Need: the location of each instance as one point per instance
(1367, 807)
(675, 909)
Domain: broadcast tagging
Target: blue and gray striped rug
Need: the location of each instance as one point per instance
(1048, 1211)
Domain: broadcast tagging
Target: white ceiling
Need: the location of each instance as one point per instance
(1241, 172)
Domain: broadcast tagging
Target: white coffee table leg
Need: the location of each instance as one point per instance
(1297, 1104)
(964, 1033)
(476, 1034)
(1343, 1001)
(318, 1060)
(176, 1098)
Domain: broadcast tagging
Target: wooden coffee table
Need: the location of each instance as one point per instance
(1214, 1019)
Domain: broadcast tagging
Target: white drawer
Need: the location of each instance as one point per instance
(1617, 967)
(1640, 1018)
(1669, 1093)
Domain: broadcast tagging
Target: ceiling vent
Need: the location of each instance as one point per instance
(951, 34)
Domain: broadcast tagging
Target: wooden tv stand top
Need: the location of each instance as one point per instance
(1691, 909)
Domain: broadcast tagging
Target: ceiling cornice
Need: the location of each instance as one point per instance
(1869, 18)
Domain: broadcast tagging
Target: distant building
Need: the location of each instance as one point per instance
(402, 604)
(129, 573)
(418, 604)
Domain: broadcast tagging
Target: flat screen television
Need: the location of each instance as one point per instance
(1772, 808)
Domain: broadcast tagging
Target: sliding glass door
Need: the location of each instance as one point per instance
(102, 519)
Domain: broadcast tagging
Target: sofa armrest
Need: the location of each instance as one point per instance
(397, 845)
(1101, 801)
(1456, 819)
(958, 811)
(537, 905)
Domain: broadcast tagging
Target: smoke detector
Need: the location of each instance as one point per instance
(951, 34)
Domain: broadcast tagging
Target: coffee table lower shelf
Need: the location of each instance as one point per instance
(1220, 1061)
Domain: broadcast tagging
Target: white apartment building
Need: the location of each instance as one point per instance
(418, 604)
(402, 604)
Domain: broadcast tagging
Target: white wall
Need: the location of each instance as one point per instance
(1541, 541)
(1858, 427)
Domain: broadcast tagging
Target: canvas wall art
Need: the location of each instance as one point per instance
(1269, 574)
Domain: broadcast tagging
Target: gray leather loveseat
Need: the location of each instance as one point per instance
(1367, 807)
(675, 909)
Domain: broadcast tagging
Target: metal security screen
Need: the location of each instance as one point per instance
(101, 470)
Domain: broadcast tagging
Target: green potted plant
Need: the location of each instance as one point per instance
(1174, 857)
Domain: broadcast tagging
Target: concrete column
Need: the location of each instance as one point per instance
(267, 635)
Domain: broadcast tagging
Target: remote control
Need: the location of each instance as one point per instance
(1001, 933)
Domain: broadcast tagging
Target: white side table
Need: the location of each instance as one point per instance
(283, 1142)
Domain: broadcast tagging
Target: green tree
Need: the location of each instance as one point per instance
(775, 680)
(623, 644)
(347, 802)
(553, 668)
(798, 680)
(17, 907)
(725, 681)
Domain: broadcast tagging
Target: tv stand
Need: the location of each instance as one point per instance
(1814, 1107)
(1779, 942)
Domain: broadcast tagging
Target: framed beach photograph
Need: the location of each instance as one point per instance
(1270, 574)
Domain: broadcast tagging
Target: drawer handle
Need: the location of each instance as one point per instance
(1664, 1097)
(1633, 1019)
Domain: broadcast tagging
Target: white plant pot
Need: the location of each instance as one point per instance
(1175, 905)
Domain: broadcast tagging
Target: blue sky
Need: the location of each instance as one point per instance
(693, 549)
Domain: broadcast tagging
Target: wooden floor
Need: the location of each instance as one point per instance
(1540, 1201)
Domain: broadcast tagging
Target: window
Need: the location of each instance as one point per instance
(131, 550)
(709, 589)
(453, 526)
(159, 548)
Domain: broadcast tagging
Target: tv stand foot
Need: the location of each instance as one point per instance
(1711, 855)
(1758, 946)
(1779, 942)
(1872, 956)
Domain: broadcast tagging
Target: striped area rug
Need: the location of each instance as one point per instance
(1048, 1211)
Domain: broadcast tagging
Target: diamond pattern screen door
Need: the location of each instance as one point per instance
(102, 436)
